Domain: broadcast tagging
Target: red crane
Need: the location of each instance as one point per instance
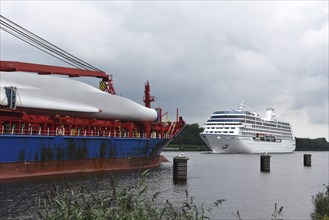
(13, 66)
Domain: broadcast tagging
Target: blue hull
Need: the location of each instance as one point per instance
(35, 155)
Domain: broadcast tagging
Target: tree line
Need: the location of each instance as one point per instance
(317, 144)
(189, 136)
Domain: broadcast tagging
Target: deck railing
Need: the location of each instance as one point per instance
(82, 133)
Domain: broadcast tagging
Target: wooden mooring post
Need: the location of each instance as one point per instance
(180, 168)
(265, 163)
(307, 160)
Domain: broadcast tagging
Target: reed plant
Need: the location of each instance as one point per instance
(321, 205)
(119, 202)
(115, 203)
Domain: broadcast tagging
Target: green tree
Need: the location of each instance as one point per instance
(318, 144)
(189, 136)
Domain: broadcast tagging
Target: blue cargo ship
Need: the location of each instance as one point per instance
(53, 125)
(37, 155)
(48, 132)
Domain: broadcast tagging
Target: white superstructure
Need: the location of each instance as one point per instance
(240, 131)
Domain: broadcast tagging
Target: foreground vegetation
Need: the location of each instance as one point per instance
(116, 203)
(135, 203)
(190, 140)
(122, 203)
(321, 205)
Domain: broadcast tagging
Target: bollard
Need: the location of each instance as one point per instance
(265, 163)
(180, 168)
(307, 160)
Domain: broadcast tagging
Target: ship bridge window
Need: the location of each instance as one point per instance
(227, 116)
(224, 120)
(219, 112)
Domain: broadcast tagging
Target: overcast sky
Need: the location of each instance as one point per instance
(198, 56)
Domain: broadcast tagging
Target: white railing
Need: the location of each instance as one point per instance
(83, 133)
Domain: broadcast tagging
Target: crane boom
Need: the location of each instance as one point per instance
(14, 66)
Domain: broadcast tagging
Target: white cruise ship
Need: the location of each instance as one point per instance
(241, 131)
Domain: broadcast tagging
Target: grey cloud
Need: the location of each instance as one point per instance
(198, 56)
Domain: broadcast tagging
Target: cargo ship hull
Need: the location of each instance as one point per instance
(40, 155)
(56, 125)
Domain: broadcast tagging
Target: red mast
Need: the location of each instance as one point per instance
(147, 95)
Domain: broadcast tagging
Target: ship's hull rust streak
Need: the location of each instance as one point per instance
(26, 155)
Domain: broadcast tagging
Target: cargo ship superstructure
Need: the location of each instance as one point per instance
(241, 131)
(53, 125)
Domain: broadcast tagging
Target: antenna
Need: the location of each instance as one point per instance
(241, 105)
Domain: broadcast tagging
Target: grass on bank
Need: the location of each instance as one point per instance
(116, 202)
(321, 205)
(122, 203)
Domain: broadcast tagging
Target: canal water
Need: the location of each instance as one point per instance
(233, 177)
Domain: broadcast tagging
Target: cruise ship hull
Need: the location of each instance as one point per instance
(238, 144)
(38, 155)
